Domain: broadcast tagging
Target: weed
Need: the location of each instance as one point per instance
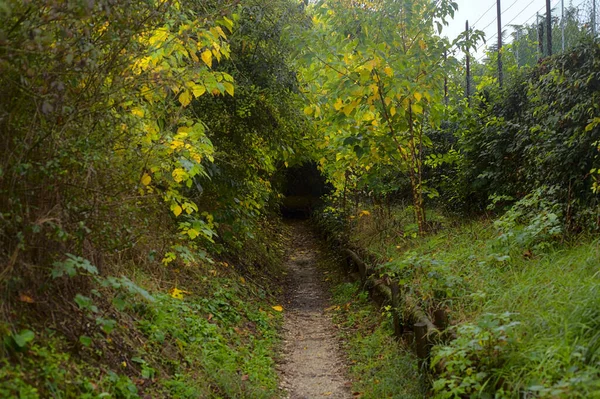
(380, 367)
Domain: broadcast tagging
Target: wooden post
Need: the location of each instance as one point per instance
(499, 18)
(362, 267)
(440, 319)
(548, 27)
(396, 305)
(422, 344)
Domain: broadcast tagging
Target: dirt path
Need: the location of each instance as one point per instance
(312, 365)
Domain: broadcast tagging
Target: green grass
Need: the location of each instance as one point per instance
(214, 346)
(527, 312)
(379, 366)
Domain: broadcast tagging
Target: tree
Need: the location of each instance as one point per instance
(374, 74)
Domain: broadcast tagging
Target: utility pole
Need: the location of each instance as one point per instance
(468, 59)
(499, 42)
(562, 23)
(540, 35)
(517, 46)
(594, 19)
(549, 27)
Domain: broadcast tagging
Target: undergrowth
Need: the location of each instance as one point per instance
(205, 330)
(379, 366)
(187, 346)
(523, 299)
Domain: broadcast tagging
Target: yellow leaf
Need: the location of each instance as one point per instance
(278, 308)
(198, 90)
(146, 179)
(26, 298)
(177, 210)
(192, 233)
(229, 88)
(417, 109)
(388, 71)
(418, 96)
(137, 112)
(185, 98)
(242, 280)
(177, 293)
(308, 110)
(393, 111)
(364, 213)
(207, 58)
(338, 104)
(368, 116)
(180, 175)
(348, 109)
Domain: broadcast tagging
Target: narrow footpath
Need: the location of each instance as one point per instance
(312, 364)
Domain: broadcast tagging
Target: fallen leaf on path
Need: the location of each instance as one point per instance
(26, 298)
(278, 308)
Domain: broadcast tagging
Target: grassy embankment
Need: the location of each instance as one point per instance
(523, 300)
(203, 330)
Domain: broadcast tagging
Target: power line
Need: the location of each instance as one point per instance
(509, 7)
(483, 15)
(524, 23)
(502, 13)
(518, 15)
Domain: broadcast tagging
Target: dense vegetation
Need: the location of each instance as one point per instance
(145, 145)
(141, 147)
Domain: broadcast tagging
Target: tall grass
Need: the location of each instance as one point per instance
(549, 294)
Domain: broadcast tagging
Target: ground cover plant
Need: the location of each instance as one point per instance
(522, 303)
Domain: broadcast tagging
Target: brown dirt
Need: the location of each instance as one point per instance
(312, 365)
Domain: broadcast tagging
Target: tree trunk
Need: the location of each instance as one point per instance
(415, 174)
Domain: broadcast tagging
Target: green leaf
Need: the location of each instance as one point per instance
(85, 340)
(119, 303)
(106, 325)
(85, 303)
(23, 338)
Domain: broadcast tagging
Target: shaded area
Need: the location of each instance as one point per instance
(303, 188)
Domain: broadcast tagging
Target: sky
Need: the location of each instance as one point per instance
(482, 15)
